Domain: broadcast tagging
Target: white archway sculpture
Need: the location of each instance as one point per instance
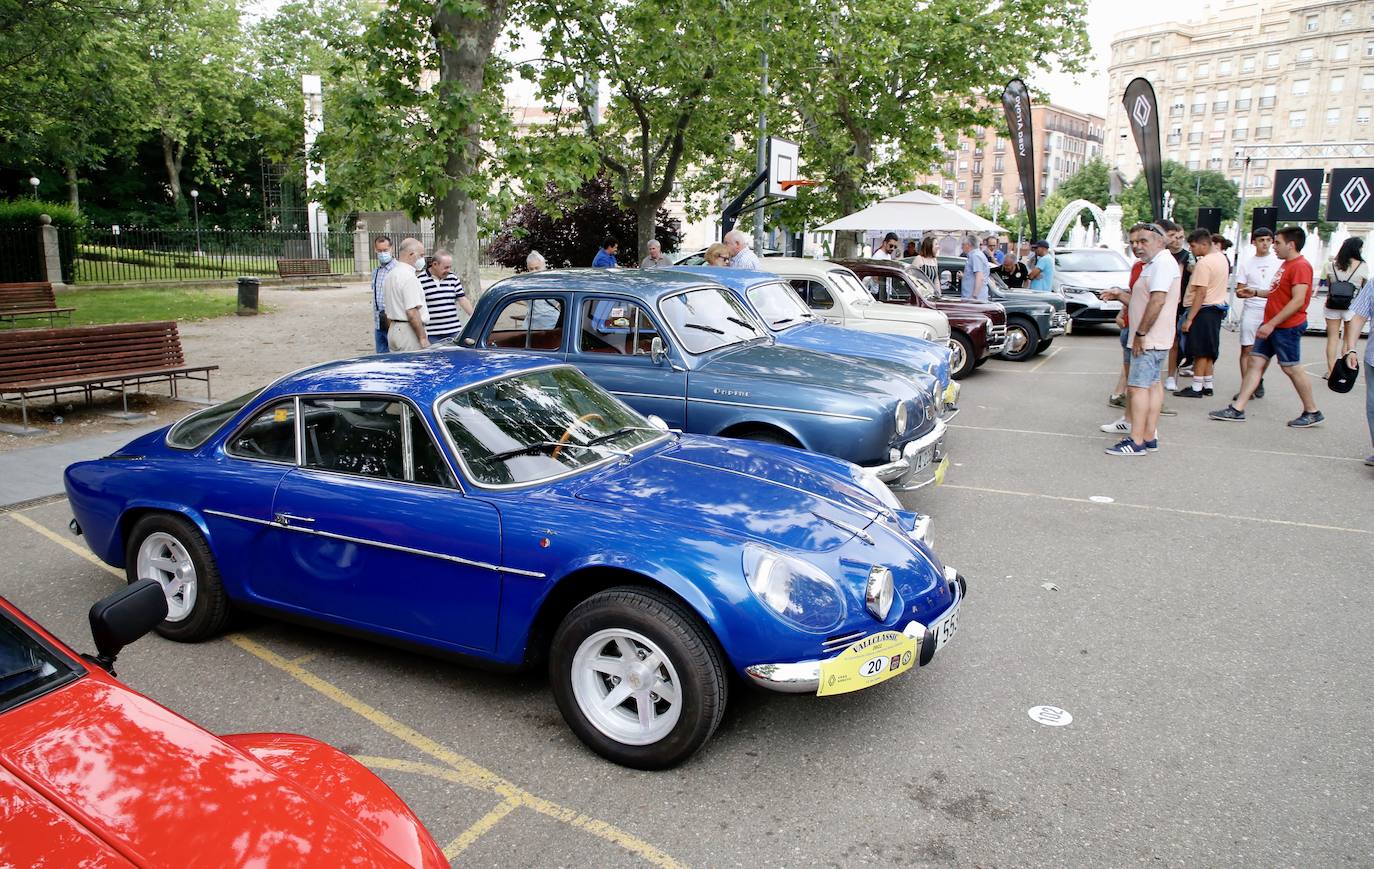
(1070, 214)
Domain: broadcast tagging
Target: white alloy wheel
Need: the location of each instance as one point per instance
(956, 359)
(1017, 340)
(626, 687)
(163, 558)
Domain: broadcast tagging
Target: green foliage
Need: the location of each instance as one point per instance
(570, 231)
(22, 244)
(1191, 190)
(16, 213)
(1090, 183)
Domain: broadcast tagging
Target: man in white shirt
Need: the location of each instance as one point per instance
(741, 257)
(404, 299)
(1255, 273)
(1151, 302)
(888, 249)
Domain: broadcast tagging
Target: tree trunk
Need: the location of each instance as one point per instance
(646, 212)
(171, 160)
(464, 47)
(73, 196)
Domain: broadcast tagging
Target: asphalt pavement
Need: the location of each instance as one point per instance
(1202, 613)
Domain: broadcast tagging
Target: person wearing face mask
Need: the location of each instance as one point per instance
(404, 299)
(385, 263)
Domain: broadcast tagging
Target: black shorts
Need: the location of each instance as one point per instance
(1204, 336)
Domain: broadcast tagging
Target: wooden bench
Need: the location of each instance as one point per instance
(83, 359)
(303, 268)
(33, 300)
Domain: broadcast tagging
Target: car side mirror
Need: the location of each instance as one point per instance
(126, 615)
(657, 422)
(657, 352)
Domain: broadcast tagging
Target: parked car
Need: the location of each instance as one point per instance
(1080, 276)
(1047, 312)
(697, 257)
(684, 348)
(777, 306)
(903, 284)
(504, 508)
(92, 773)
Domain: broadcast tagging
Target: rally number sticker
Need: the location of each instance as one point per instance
(870, 661)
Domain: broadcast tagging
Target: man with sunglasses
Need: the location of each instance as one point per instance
(888, 249)
(1151, 302)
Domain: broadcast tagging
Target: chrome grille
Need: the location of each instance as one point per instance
(841, 641)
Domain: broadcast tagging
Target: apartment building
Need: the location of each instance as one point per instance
(983, 162)
(1275, 72)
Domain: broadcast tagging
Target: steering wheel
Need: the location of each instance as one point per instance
(567, 433)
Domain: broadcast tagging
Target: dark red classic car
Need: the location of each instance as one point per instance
(968, 328)
(93, 773)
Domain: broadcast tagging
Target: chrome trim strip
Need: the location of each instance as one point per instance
(379, 544)
(646, 395)
(782, 409)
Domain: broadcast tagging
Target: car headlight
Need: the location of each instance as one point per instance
(879, 592)
(939, 401)
(800, 593)
(899, 416)
(878, 489)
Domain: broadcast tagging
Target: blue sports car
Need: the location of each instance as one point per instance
(504, 508)
(684, 348)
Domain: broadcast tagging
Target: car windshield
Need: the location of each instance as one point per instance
(1090, 261)
(924, 285)
(538, 426)
(28, 667)
(197, 428)
(779, 305)
(708, 319)
(849, 288)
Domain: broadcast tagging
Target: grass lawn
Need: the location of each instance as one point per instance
(97, 307)
(108, 265)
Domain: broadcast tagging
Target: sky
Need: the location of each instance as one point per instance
(1087, 92)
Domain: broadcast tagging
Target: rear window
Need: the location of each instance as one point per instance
(200, 426)
(28, 666)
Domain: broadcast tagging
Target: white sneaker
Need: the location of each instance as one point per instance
(1170, 384)
(1118, 427)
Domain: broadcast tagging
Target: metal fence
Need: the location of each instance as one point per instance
(124, 254)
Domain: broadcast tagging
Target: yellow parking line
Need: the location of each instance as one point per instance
(80, 551)
(463, 771)
(481, 826)
(1179, 510)
(1048, 356)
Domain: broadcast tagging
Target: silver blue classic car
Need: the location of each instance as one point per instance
(685, 349)
(503, 508)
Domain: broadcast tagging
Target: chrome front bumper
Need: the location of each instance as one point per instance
(997, 340)
(899, 474)
(804, 677)
(1059, 323)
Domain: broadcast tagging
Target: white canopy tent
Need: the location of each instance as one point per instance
(916, 210)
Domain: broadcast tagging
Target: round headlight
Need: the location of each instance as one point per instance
(939, 401)
(799, 592)
(879, 592)
(900, 417)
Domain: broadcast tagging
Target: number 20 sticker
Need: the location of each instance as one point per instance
(1050, 716)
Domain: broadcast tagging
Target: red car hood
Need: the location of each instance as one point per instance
(95, 772)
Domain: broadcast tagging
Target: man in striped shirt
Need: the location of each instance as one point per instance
(443, 296)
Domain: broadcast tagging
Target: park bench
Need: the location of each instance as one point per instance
(84, 359)
(303, 268)
(30, 301)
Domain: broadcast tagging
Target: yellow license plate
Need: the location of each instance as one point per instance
(951, 393)
(869, 662)
(940, 470)
(1068, 328)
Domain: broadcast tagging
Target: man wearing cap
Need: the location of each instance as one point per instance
(1042, 268)
(1255, 273)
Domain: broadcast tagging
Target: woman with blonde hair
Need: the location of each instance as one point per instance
(718, 255)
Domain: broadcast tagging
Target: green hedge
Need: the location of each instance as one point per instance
(21, 249)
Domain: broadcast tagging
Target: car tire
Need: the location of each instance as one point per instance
(1025, 335)
(962, 363)
(647, 623)
(170, 550)
(1043, 346)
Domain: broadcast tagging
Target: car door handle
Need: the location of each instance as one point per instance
(285, 519)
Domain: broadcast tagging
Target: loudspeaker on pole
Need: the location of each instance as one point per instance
(1266, 217)
(1209, 219)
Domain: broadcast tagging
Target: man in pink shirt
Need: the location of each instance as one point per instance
(1151, 302)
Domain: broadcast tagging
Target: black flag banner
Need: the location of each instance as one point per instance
(1017, 105)
(1351, 196)
(1298, 194)
(1143, 111)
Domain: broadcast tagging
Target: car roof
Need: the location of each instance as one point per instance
(794, 265)
(423, 375)
(735, 279)
(878, 264)
(647, 284)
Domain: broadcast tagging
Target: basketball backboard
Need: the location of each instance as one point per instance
(783, 165)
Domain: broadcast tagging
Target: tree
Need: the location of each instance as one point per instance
(1090, 182)
(570, 232)
(682, 84)
(1191, 190)
(875, 87)
(395, 136)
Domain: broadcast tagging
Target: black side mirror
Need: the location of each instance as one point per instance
(126, 615)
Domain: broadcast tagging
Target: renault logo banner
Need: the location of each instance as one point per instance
(1351, 196)
(1139, 102)
(1297, 194)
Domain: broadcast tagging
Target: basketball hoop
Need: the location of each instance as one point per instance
(798, 182)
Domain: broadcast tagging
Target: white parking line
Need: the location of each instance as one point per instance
(1230, 448)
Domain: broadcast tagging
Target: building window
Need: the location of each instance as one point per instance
(1271, 60)
(963, 185)
(1247, 64)
(1362, 116)
(1204, 70)
(1310, 25)
(1195, 132)
(1268, 96)
(1369, 48)
(1175, 135)
(1337, 83)
(1301, 86)
(963, 165)
(1224, 67)
(1176, 110)
(1218, 128)
(1341, 52)
(1181, 73)
(1305, 55)
(1130, 52)
(1243, 101)
(1367, 81)
(977, 167)
(998, 166)
(1297, 118)
(1242, 131)
(1155, 47)
(1347, 16)
(1199, 102)
(1333, 117)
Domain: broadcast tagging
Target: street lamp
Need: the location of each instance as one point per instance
(33, 182)
(195, 209)
(1168, 205)
(996, 200)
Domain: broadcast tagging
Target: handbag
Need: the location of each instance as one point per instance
(1341, 292)
(1343, 374)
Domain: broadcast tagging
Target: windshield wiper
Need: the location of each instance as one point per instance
(537, 446)
(783, 320)
(712, 329)
(600, 439)
(745, 323)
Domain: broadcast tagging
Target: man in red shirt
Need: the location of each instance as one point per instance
(1285, 319)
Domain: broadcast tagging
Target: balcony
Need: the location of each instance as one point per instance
(1214, 163)
(1194, 165)
(1199, 108)
(1218, 135)
(1243, 105)
(1220, 105)
(1239, 135)
(1264, 132)
(1267, 102)
(1194, 137)
(1175, 138)
(1175, 111)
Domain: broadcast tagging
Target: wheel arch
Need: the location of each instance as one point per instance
(744, 428)
(124, 526)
